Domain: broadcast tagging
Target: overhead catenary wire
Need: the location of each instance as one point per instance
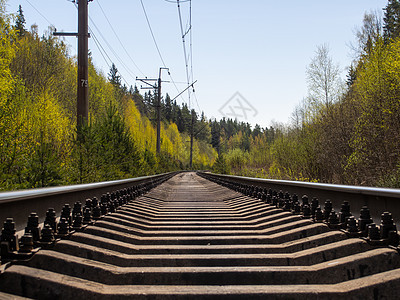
(101, 48)
(188, 57)
(191, 39)
(152, 34)
(43, 16)
(119, 40)
(131, 73)
(112, 50)
(158, 49)
(183, 33)
(191, 53)
(103, 52)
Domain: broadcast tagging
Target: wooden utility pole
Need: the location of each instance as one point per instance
(83, 62)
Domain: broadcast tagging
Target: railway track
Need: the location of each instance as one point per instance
(205, 237)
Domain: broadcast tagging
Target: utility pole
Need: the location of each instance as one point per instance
(158, 147)
(157, 88)
(192, 127)
(83, 62)
(191, 139)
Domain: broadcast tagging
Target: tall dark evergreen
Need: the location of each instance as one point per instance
(351, 76)
(113, 76)
(391, 27)
(257, 130)
(168, 108)
(215, 135)
(180, 122)
(20, 22)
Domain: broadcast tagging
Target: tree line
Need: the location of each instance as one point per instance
(341, 132)
(39, 142)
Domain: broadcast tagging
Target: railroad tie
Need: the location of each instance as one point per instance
(192, 238)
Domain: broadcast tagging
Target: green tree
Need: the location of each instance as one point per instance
(85, 165)
(117, 150)
(374, 143)
(220, 165)
(168, 108)
(113, 76)
(44, 166)
(391, 27)
(20, 22)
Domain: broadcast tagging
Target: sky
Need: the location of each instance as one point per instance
(249, 57)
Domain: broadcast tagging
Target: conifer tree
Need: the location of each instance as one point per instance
(391, 20)
(113, 76)
(168, 108)
(20, 22)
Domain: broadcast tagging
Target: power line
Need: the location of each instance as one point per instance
(184, 48)
(176, 87)
(158, 49)
(191, 51)
(100, 47)
(50, 23)
(119, 40)
(112, 50)
(190, 55)
(102, 51)
(152, 34)
(44, 17)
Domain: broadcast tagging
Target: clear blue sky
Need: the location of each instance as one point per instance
(257, 48)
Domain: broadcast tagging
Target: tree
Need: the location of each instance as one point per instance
(391, 27)
(117, 149)
(368, 33)
(221, 165)
(216, 135)
(323, 77)
(168, 108)
(20, 22)
(257, 130)
(113, 76)
(351, 76)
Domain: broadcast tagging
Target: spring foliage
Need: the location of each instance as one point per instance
(338, 134)
(39, 143)
(354, 137)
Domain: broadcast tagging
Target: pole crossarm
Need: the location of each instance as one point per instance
(75, 34)
(190, 85)
(145, 81)
(55, 33)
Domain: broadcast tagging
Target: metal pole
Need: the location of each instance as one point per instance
(159, 114)
(157, 88)
(191, 141)
(83, 64)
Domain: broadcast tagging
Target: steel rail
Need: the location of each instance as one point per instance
(378, 200)
(19, 204)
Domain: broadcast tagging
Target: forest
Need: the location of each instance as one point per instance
(342, 132)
